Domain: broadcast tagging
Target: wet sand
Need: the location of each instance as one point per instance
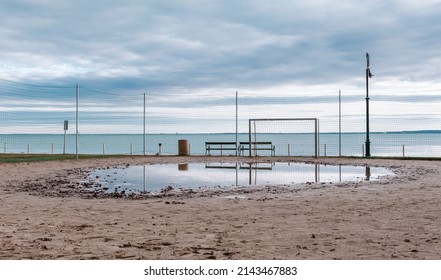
(45, 214)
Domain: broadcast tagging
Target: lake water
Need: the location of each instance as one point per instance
(154, 178)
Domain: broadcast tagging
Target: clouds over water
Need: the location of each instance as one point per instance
(158, 45)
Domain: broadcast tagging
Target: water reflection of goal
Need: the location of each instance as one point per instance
(287, 137)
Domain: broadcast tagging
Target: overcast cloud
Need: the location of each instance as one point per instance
(151, 45)
(201, 47)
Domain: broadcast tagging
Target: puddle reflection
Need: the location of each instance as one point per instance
(154, 178)
(253, 170)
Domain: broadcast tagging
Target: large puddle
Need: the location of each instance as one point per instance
(160, 177)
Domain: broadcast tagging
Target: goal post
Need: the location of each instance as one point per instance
(284, 136)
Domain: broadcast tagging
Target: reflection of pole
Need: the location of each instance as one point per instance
(368, 173)
(339, 172)
(317, 173)
(316, 181)
(144, 178)
(250, 175)
(237, 174)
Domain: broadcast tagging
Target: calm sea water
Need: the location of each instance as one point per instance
(382, 144)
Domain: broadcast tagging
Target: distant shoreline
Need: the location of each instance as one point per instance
(232, 133)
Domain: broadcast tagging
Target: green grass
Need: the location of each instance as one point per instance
(396, 158)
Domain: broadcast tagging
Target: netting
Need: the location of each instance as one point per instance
(32, 118)
(283, 137)
(122, 122)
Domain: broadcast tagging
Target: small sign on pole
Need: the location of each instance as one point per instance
(66, 125)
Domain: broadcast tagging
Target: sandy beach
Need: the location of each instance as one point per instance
(45, 214)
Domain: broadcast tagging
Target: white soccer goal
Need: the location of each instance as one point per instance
(282, 137)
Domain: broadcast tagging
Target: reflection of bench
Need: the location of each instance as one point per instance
(257, 166)
(257, 146)
(221, 166)
(219, 146)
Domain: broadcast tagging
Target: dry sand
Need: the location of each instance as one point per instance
(393, 218)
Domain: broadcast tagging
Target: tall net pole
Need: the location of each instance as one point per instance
(77, 93)
(339, 123)
(143, 135)
(236, 122)
(368, 75)
(249, 135)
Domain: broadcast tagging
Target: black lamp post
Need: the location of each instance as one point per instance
(368, 75)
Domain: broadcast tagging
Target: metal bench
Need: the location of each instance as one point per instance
(220, 146)
(257, 146)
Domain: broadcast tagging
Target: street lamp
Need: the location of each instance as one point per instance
(368, 75)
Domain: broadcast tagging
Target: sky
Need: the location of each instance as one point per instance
(271, 52)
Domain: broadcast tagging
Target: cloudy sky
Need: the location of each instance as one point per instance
(196, 48)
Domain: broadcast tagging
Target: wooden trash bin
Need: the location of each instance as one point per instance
(183, 147)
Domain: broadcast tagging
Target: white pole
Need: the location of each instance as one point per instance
(318, 137)
(131, 148)
(236, 121)
(144, 129)
(249, 138)
(255, 140)
(77, 119)
(64, 143)
(339, 123)
(403, 150)
(315, 140)
(289, 150)
(104, 149)
(317, 144)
